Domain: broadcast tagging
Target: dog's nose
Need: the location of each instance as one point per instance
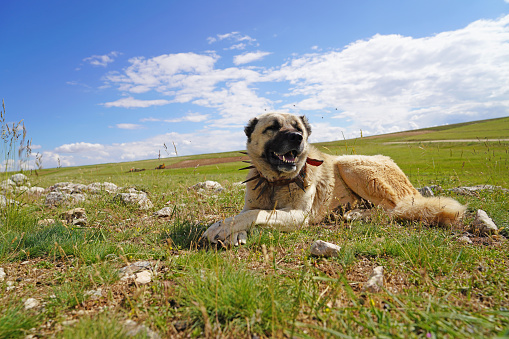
(295, 136)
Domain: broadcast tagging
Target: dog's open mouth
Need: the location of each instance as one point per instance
(284, 162)
(288, 158)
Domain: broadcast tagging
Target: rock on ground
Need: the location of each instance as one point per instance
(207, 186)
(19, 179)
(143, 277)
(139, 199)
(31, 303)
(76, 216)
(133, 329)
(483, 225)
(2, 274)
(375, 281)
(164, 212)
(322, 248)
(58, 198)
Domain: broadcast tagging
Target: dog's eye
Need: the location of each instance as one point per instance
(297, 128)
(273, 128)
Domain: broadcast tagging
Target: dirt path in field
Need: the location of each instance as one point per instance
(435, 141)
(205, 162)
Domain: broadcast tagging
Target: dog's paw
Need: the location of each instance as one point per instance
(216, 232)
(236, 239)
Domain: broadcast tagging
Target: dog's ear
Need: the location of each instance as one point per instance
(250, 128)
(306, 124)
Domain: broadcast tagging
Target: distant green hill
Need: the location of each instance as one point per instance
(468, 161)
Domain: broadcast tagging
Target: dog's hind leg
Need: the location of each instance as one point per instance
(379, 180)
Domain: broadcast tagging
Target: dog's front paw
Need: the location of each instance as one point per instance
(236, 239)
(216, 232)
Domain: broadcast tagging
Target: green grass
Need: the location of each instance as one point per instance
(435, 286)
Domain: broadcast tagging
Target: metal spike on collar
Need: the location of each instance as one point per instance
(252, 178)
(261, 181)
(300, 182)
(245, 168)
(264, 188)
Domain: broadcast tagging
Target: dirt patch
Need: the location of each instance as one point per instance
(400, 134)
(205, 162)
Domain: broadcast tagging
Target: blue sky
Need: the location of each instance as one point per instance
(109, 81)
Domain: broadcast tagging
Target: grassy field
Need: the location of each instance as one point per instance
(435, 285)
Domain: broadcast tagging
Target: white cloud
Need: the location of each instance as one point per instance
(131, 102)
(102, 60)
(79, 147)
(378, 85)
(129, 126)
(240, 41)
(249, 57)
(191, 117)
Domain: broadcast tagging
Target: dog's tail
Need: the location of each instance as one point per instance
(432, 210)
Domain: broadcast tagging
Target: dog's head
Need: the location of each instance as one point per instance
(277, 144)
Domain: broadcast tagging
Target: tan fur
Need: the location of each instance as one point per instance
(339, 181)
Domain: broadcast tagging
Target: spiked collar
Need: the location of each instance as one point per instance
(298, 179)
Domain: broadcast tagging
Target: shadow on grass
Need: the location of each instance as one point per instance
(185, 235)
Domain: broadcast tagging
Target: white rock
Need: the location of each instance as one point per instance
(2, 274)
(36, 191)
(31, 303)
(76, 216)
(465, 240)
(134, 330)
(4, 201)
(7, 184)
(139, 199)
(207, 186)
(94, 294)
(483, 224)
(322, 248)
(143, 277)
(375, 281)
(164, 212)
(110, 187)
(136, 267)
(19, 179)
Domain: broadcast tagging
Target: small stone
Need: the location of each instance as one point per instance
(483, 225)
(134, 330)
(31, 303)
(465, 240)
(94, 294)
(2, 274)
(322, 248)
(136, 267)
(207, 186)
(76, 216)
(164, 212)
(143, 277)
(426, 191)
(375, 281)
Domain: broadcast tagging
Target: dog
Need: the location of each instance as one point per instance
(291, 184)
